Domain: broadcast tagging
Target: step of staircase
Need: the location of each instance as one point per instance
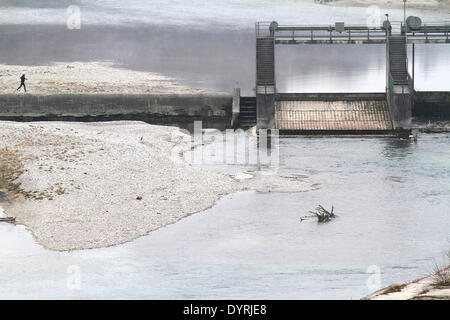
(397, 60)
(247, 116)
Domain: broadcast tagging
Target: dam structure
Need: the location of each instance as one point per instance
(383, 113)
(338, 113)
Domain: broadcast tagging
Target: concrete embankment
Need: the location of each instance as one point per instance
(214, 109)
(432, 104)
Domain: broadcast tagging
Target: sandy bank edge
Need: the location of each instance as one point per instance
(420, 289)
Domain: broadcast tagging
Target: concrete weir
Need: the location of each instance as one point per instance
(293, 113)
(333, 113)
(214, 109)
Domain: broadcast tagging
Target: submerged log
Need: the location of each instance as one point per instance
(322, 214)
(8, 219)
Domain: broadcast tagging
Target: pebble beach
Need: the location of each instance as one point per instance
(89, 185)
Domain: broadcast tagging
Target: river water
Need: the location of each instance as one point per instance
(211, 44)
(392, 196)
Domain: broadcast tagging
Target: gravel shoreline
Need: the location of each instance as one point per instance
(87, 77)
(90, 185)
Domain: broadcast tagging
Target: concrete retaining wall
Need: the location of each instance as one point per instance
(147, 107)
(432, 104)
(400, 108)
(215, 110)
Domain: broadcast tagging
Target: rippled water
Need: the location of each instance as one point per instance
(392, 198)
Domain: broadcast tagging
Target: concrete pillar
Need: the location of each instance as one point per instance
(236, 107)
(400, 107)
(265, 82)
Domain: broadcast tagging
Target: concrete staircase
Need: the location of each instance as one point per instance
(399, 95)
(265, 51)
(247, 116)
(397, 60)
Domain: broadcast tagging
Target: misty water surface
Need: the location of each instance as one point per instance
(209, 44)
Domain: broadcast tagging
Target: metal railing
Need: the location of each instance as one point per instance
(266, 84)
(320, 33)
(330, 33)
(262, 28)
(428, 31)
(408, 86)
(390, 83)
(437, 32)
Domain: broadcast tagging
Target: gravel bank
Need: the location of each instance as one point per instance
(88, 185)
(87, 77)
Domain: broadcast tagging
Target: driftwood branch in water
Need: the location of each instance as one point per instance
(322, 214)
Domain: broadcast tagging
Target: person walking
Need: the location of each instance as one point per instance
(22, 83)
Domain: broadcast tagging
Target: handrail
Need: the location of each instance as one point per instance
(428, 31)
(404, 86)
(331, 34)
(320, 32)
(390, 83)
(327, 28)
(265, 84)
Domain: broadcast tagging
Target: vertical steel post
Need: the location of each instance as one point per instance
(413, 66)
(404, 15)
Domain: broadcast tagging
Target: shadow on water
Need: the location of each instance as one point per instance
(396, 149)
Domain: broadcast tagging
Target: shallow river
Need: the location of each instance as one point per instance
(392, 198)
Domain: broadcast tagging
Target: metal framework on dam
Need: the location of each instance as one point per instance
(340, 112)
